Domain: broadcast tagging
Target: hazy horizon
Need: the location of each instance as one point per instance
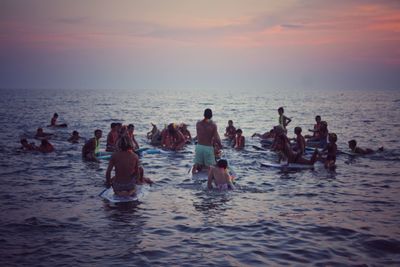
(189, 45)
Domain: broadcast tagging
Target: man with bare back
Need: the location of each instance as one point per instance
(207, 135)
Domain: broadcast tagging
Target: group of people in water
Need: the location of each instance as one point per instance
(122, 145)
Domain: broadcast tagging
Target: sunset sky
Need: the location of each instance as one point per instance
(207, 44)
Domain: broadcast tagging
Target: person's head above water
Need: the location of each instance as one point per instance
(222, 163)
(352, 143)
(98, 133)
(208, 114)
(280, 110)
(75, 133)
(332, 137)
(55, 115)
(24, 141)
(318, 118)
(230, 122)
(297, 130)
(239, 131)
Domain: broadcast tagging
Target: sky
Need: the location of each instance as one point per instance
(204, 44)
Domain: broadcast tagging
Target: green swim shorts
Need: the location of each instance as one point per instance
(204, 155)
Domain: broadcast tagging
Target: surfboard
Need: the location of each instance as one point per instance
(286, 166)
(109, 195)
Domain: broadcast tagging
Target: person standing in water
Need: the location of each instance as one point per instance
(283, 120)
(207, 135)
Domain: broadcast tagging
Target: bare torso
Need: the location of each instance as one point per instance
(126, 165)
(206, 133)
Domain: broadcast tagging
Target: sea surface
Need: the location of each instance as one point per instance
(51, 214)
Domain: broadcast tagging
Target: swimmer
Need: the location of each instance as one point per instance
(239, 140)
(362, 151)
(331, 149)
(219, 174)
(230, 130)
(28, 146)
(46, 147)
(74, 138)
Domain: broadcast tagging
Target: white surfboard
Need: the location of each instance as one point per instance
(108, 194)
(286, 165)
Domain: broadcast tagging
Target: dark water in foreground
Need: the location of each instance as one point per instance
(51, 213)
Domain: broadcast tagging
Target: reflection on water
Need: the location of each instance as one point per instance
(51, 213)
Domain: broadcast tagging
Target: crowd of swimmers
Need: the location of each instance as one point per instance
(121, 142)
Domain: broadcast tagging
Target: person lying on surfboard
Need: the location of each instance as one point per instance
(362, 151)
(53, 122)
(266, 135)
(219, 174)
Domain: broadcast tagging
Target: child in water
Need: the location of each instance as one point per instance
(300, 141)
(27, 146)
(331, 149)
(219, 174)
(230, 130)
(239, 140)
(46, 147)
(74, 138)
(362, 151)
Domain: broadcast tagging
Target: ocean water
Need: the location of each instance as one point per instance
(51, 214)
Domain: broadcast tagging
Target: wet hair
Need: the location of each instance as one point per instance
(208, 113)
(318, 118)
(297, 130)
(23, 140)
(333, 136)
(171, 128)
(97, 131)
(353, 143)
(131, 126)
(124, 144)
(280, 109)
(222, 163)
(75, 133)
(239, 131)
(39, 129)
